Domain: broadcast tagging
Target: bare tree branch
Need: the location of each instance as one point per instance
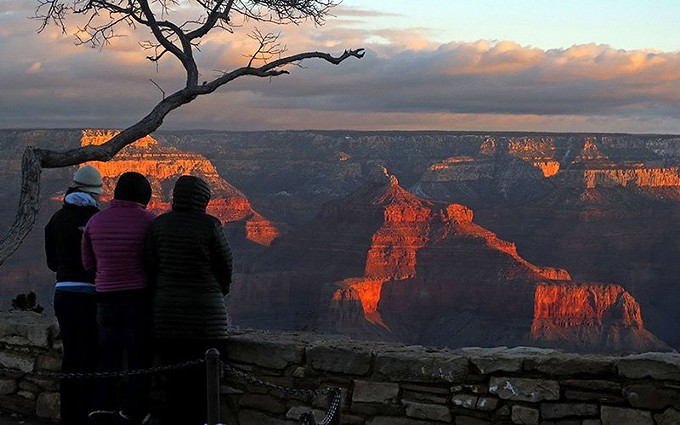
(102, 18)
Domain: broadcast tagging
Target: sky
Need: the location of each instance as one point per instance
(468, 65)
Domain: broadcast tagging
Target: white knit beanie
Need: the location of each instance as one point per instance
(88, 179)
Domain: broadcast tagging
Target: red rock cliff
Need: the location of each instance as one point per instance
(163, 165)
(590, 314)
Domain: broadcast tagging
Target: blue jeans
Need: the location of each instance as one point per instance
(125, 327)
(77, 316)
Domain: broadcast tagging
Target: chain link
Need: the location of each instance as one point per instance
(285, 390)
(111, 374)
(333, 392)
(157, 369)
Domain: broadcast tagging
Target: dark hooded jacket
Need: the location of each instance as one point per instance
(62, 242)
(190, 263)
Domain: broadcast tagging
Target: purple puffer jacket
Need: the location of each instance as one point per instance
(113, 246)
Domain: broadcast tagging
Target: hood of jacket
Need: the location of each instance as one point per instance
(190, 194)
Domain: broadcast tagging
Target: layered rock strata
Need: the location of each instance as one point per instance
(163, 165)
(433, 276)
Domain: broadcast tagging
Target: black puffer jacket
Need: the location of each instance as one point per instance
(191, 263)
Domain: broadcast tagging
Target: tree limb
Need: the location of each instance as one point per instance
(166, 34)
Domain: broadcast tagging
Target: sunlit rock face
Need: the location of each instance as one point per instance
(430, 276)
(163, 165)
(610, 214)
(590, 314)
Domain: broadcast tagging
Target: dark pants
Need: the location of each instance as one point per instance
(77, 316)
(124, 321)
(185, 388)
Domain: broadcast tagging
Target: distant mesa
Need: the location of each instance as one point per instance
(162, 165)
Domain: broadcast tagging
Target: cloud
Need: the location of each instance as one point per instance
(34, 68)
(406, 81)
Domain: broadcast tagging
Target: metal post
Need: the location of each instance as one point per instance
(212, 368)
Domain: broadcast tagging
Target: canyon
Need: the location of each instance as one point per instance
(432, 238)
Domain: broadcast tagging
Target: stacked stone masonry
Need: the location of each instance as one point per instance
(386, 384)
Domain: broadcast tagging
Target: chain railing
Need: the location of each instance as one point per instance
(214, 367)
(95, 375)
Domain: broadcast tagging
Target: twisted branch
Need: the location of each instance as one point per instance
(102, 19)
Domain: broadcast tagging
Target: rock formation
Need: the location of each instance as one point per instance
(605, 207)
(432, 276)
(163, 165)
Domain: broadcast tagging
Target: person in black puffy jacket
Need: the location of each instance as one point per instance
(190, 262)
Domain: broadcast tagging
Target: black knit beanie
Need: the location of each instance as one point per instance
(134, 187)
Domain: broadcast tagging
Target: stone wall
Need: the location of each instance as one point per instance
(387, 384)
(29, 346)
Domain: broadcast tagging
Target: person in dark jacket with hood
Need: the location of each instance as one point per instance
(75, 303)
(191, 263)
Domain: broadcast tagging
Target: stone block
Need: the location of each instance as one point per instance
(592, 422)
(590, 395)
(425, 397)
(246, 416)
(267, 403)
(346, 360)
(651, 397)
(468, 420)
(417, 366)
(593, 385)
(296, 411)
(498, 363)
(572, 365)
(14, 360)
(524, 415)
(352, 420)
(394, 420)
(7, 386)
(466, 401)
(25, 328)
(523, 389)
(432, 412)
(265, 353)
(374, 392)
(13, 403)
(49, 363)
(487, 403)
(623, 416)
(659, 366)
(26, 394)
(668, 417)
(47, 405)
(564, 410)
(28, 385)
(426, 389)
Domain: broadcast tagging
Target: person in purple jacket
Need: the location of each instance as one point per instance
(113, 248)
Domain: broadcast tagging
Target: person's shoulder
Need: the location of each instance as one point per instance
(161, 218)
(213, 220)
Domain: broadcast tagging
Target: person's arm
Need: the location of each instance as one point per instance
(87, 252)
(221, 258)
(51, 248)
(151, 257)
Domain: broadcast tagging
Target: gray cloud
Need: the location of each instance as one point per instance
(47, 82)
